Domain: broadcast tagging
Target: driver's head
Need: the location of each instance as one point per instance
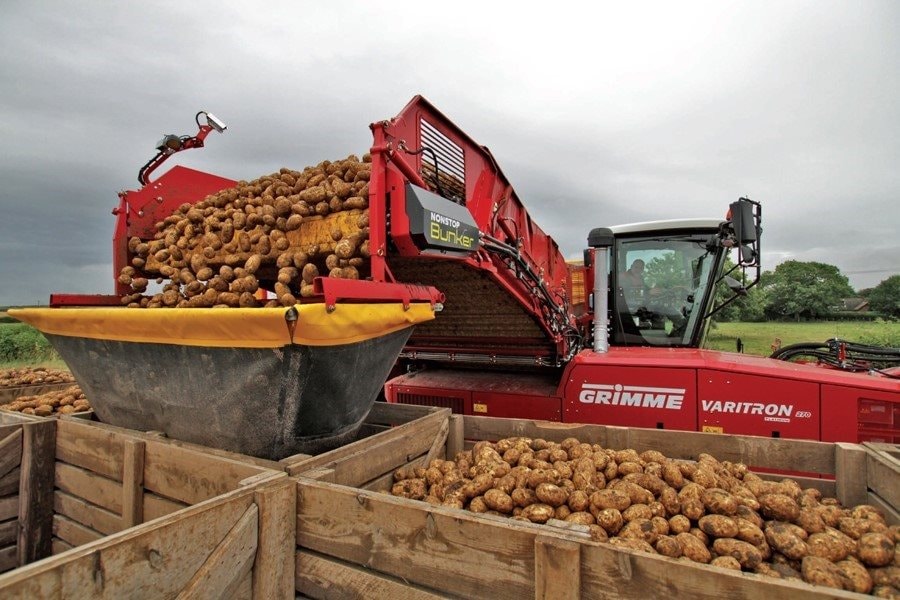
(637, 267)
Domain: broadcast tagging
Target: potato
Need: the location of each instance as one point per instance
(579, 501)
(693, 548)
(523, 497)
(669, 499)
(719, 501)
(672, 475)
(636, 493)
(830, 544)
(785, 540)
(609, 519)
(410, 488)
(875, 549)
(641, 529)
(856, 576)
(581, 517)
(718, 526)
(726, 562)
(498, 500)
(608, 498)
(538, 513)
(750, 533)
(637, 511)
(855, 528)
(819, 571)
(668, 546)
(779, 507)
(886, 576)
(810, 521)
(679, 524)
(746, 554)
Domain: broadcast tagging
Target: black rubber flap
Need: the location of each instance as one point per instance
(268, 403)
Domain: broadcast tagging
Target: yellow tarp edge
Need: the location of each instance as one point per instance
(228, 328)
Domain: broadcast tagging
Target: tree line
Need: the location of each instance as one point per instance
(798, 290)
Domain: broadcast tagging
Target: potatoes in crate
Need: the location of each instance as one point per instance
(706, 511)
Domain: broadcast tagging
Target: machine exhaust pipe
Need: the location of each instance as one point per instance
(601, 240)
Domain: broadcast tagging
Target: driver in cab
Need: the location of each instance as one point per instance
(632, 284)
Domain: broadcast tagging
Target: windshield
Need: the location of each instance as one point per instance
(660, 290)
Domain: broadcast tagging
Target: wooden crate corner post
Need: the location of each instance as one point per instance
(557, 569)
(36, 490)
(273, 572)
(850, 474)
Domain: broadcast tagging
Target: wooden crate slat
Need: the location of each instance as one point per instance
(92, 448)
(431, 546)
(9, 507)
(94, 488)
(8, 558)
(9, 531)
(158, 436)
(390, 443)
(320, 576)
(59, 546)
(245, 588)
(884, 477)
(156, 506)
(891, 514)
(10, 451)
(85, 513)
(151, 560)
(221, 574)
(383, 413)
(394, 449)
(189, 475)
(9, 483)
(73, 532)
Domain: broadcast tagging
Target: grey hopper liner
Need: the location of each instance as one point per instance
(268, 403)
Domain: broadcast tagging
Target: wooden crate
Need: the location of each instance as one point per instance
(118, 515)
(353, 540)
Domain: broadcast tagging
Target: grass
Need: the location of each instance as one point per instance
(759, 337)
(22, 345)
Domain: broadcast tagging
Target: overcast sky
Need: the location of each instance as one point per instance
(599, 113)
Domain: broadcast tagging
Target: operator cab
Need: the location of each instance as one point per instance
(662, 275)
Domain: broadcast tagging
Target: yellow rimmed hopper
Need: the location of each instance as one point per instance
(269, 382)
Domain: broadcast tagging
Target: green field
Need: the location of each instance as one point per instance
(759, 337)
(21, 345)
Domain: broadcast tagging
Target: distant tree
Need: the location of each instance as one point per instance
(885, 297)
(804, 289)
(864, 293)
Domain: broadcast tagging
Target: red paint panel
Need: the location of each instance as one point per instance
(516, 406)
(859, 415)
(654, 397)
(758, 405)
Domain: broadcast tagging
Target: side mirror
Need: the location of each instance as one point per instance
(743, 222)
(735, 286)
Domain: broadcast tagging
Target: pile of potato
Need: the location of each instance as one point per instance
(222, 250)
(63, 402)
(705, 511)
(22, 376)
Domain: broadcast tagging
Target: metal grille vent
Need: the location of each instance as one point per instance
(448, 176)
(454, 404)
